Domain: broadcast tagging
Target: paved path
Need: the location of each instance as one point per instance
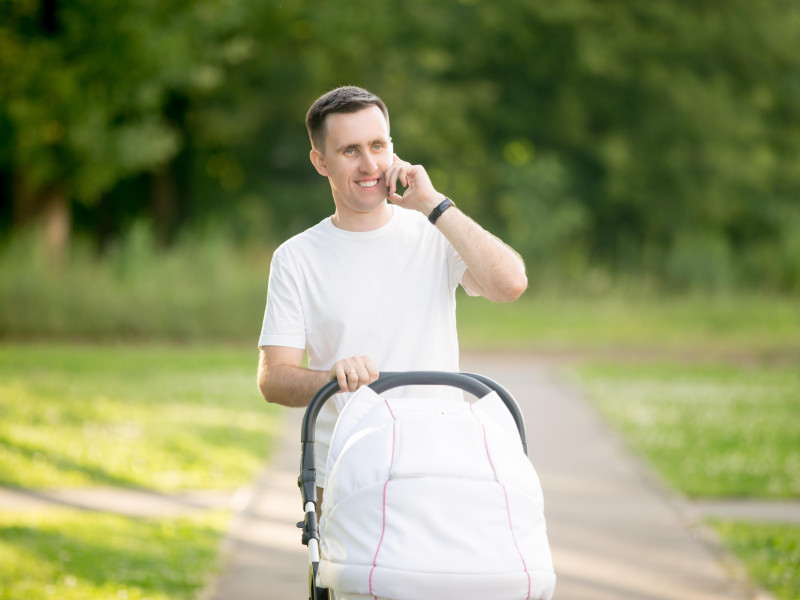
(614, 531)
(263, 558)
(616, 534)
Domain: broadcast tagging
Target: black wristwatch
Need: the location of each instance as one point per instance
(437, 212)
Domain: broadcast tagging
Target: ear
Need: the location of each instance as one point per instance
(318, 160)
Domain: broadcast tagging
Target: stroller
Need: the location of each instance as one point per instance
(426, 498)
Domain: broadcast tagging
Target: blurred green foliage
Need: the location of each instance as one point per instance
(204, 287)
(209, 286)
(651, 138)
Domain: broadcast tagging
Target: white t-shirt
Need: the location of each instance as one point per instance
(388, 294)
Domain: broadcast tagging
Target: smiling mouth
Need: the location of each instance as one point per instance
(370, 183)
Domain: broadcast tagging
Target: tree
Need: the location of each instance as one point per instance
(88, 91)
(669, 129)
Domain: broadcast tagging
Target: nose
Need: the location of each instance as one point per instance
(368, 163)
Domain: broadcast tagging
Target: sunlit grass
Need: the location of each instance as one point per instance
(711, 431)
(156, 417)
(716, 431)
(771, 553)
(71, 555)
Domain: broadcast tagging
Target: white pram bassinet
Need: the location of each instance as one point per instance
(431, 498)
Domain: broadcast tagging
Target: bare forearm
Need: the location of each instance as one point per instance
(289, 385)
(282, 379)
(498, 270)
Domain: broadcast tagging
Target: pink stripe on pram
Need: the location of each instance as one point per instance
(385, 485)
(508, 508)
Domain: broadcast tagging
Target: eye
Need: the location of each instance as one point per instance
(349, 151)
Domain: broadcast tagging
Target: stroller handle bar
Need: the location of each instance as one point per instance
(477, 385)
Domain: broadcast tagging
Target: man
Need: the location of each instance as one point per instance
(372, 287)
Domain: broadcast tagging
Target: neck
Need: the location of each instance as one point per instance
(363, 221)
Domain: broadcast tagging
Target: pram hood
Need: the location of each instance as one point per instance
(432, 498)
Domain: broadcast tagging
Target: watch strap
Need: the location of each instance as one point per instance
(437, 212)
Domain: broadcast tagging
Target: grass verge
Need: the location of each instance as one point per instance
(710, 430)
(771, 552)
(716, 431)
(157, 417)
(72, 555)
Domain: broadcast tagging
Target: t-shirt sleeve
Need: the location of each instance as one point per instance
(456, 267)
(284, 324)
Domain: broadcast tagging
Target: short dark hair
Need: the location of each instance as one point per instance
(345, 99)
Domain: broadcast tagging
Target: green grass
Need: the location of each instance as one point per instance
(763, 326)
(156, 417)
(169, 417)
(716, 431)
(771, 553)
(710, 430)
(70, 555)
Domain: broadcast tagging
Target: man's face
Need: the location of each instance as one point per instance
(357, 152)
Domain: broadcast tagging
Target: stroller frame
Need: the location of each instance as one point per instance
(475, 384)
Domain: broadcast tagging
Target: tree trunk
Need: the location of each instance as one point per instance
(164, 204)
(56, 222)
(49, 212)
